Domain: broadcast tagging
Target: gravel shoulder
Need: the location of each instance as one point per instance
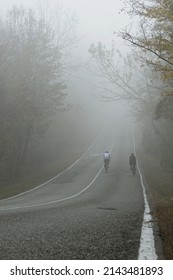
(159, 184)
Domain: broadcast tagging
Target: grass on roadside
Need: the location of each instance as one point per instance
(160, 185)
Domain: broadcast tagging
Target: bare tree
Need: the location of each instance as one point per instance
(123, 78)
(31, 82)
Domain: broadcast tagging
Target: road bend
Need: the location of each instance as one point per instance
(84, 213)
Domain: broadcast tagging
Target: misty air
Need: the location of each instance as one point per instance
(86, 146)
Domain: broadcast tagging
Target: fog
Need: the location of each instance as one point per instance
(81, 113)
(70, 69)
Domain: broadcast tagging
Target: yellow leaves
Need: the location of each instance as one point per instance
(159, 13)
(167, 93)
(166, 74)
(156, 39)
(157, 9)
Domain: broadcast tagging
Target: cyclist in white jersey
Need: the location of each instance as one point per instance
(106, 158)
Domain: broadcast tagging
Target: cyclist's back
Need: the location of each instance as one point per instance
(132, 160)
(106, 156)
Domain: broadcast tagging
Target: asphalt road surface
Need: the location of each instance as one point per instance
(84, 213)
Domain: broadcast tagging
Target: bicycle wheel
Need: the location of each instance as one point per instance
(134, 170)
(106, 165)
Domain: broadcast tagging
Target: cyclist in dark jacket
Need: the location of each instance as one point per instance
(132, 160)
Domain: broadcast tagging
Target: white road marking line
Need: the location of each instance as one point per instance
(147, 247)
(62, 199)
(55, 201)
(52, 179)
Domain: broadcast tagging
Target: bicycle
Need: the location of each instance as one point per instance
(133, 169)
(106, 164)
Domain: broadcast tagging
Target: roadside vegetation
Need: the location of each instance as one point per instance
(144, 78)
(41, 131)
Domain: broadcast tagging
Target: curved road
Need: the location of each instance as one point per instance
(84, 213)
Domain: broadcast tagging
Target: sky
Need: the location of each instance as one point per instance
(97, 19)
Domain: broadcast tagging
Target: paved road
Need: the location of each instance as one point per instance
(84, 213)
